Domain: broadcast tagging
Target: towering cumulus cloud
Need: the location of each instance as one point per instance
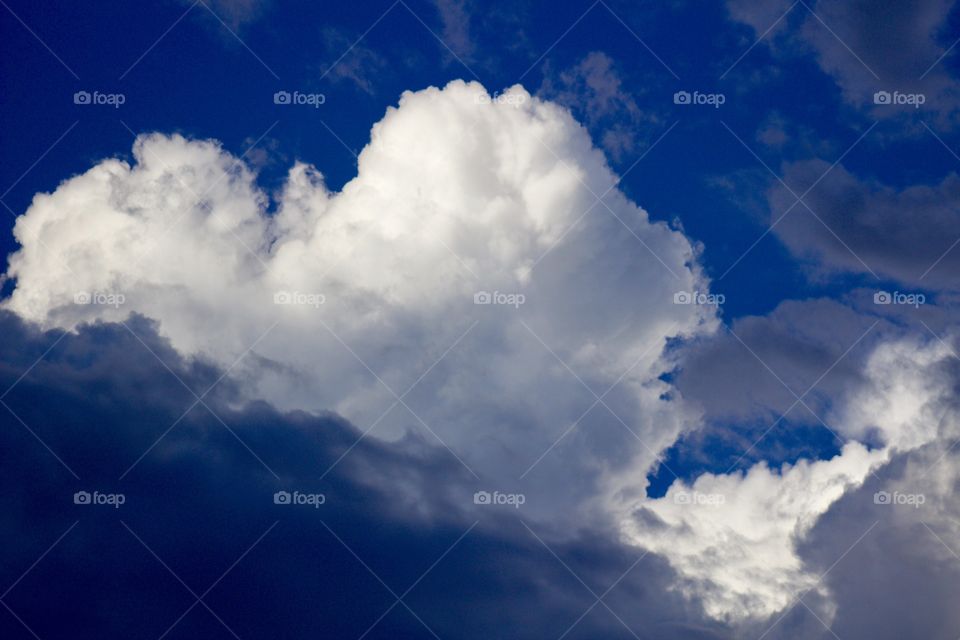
(481, 281)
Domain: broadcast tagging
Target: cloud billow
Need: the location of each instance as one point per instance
(482, 281)
(864, 226)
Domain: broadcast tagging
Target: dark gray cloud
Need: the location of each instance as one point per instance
(907, 559)
(200, 498)
(859, 225)
(819, 348)
(799, 341)
(865, 47)
(868, 47)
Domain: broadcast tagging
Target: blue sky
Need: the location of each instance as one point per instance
(723, 453)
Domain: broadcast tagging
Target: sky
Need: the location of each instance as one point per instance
(448, 319)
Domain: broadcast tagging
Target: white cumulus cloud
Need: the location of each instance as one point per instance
(456, 194)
